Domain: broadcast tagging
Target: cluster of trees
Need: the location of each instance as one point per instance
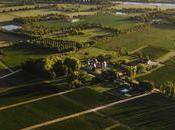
(11, 9)
(41, 18)
(136, 28)
(132, 72)
(83, 26)
(156, 17)
(52, 67)
(168, 89)
(142, 18)
(49, 44)
(84, 1)
(16, 9)
(134, 10)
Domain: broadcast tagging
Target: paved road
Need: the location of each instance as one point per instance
(6, 67)
(83, 112)
(12, 73)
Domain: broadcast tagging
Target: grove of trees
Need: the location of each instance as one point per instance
(52, 66)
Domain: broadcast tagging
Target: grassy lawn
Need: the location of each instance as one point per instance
(153, 112)
(86, 122)
(152, 52)
(14, 57)
(159, 37)
(163, 74)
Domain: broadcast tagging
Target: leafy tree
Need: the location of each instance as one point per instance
(141, 68)
(72, 63)
(60, 69)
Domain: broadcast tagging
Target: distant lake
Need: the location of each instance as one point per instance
(11, 27)
(164, 5)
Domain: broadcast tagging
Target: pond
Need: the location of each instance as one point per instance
(125, 90)
(120, 13)
(11, 27)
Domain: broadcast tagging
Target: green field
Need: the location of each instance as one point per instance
(30, 90)
(89, 34)
(91, 98)
(38, 112)
(14, 57)
(152, 52)
(27, 100)
(163, 74)
(159, 37)
(153, 112)
(87, 122)
(49, 108)
(108, 20)
(92, 52)
(8, 16)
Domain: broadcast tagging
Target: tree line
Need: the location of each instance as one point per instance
(24, 8)
(49, 44)
(168, 89)
(38, 18)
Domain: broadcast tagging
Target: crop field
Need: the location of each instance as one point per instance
(132, 115)
(91, 98)
(30, 89)
(87, 122)
(152, 52)
(17, 80)
(53, 108)
(110, 101)
(153, 112)
(110, 20)
(158, 37)
(56, 106)
(163, 74)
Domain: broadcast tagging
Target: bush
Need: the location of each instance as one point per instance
(76, 83)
